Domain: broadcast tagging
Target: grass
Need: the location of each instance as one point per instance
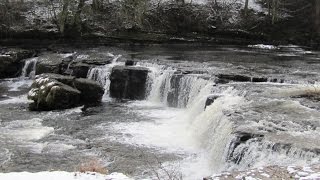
(92, 166)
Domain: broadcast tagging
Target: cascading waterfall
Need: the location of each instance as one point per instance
(160, 86)
(209, 130)
(101, 75)
(168, 88)
(256, 153)
(29, 67)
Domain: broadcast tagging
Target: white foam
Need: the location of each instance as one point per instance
(16, 85)
(25, 130)
(16, 100)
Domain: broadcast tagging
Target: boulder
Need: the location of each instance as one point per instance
(80, 70)
(130, 63)
(91, 91)
(54, 91)
(128, 82)
(11, 62)
(51, 63)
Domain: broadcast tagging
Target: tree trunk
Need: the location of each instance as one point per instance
(63, 16)
(269, 8)
(96, 4)
(274, 11)
(77, 17)
(246, 8)
(317, 16)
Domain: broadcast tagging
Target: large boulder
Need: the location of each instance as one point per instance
(53, 91)
(80, 70)
(11, 62)
(91, 91)
(128, 82)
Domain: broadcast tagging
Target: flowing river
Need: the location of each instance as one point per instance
(259, 117)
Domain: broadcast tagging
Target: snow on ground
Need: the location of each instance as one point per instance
(263, 46)
(61, 175)
(272, 172)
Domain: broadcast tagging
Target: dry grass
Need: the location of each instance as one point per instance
(92, 166)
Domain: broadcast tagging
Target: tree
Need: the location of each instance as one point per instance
(275, 4)
(133, 13)
(246, 7)
(317, 16)
(66, 14)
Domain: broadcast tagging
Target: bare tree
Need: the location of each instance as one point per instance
(246, 7)
(317, 16)
(275, 4)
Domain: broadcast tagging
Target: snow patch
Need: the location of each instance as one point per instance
(263, 46)
(61, 175)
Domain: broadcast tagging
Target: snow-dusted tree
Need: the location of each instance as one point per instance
(66, 14)
(132, 13)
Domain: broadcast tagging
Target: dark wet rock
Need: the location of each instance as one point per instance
(190, 71)
(234, 77)
(80, 70)
(241, 138)
(259, 79)
(130, 63)
(128, 82)
(211, 100)
(91, 91)
(54, 91)
(173, 94)
(11, 62)
(98, 62)
(49, 64)
(226, 78)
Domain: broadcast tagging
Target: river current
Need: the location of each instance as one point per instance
(171, 134)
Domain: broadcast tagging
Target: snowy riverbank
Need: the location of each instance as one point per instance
(61, 175)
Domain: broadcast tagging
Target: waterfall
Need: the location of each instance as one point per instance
(101, 74)
(255, 153)
(207, 130)
(29, 67)
(211, 129)
(176, 90)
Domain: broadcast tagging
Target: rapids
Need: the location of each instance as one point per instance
(173, 133)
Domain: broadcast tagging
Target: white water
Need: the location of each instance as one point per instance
(201, 136)
(101, 75)
(29, 68)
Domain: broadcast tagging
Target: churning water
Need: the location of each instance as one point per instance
(174, 133)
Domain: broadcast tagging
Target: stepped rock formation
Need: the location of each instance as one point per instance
(11, 62)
